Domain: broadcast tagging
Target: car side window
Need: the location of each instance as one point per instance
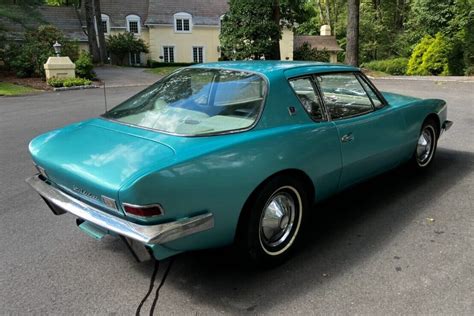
(308, 97)
(373, 96)
(343, 95)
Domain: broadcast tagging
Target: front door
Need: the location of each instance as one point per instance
(369, 130)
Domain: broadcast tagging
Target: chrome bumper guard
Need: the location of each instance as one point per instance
(146, 234)
(447, 125)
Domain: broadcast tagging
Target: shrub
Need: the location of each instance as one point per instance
(435, 59)
(416, 58)
(123, 43)
(68, 82)
(430, 57)
(394, 66)
(84, 66)
(27, 59)
(306, 52)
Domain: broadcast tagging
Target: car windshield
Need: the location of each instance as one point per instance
(196, 101)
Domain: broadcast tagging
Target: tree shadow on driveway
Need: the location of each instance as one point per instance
(339, 235)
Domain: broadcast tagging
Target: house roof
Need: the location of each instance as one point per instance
(120, 9)
(64, 18)
(204, 12)
(320, 43)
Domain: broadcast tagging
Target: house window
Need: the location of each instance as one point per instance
(134, 59)
(182, 22)
(105, 23)
(168, 54)
(133, 24)
(198, 54)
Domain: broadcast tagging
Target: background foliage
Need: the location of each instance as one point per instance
(121, 44)
(27, 58)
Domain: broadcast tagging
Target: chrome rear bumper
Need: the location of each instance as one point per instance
(146, 234)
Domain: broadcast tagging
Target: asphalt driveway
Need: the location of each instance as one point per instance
(398, 244)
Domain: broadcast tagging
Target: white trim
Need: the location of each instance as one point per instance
(133, 18)
(183, 16)
(163, 52)
(106, 18)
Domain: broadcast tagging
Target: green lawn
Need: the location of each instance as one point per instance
(7, 88)
(162, 71)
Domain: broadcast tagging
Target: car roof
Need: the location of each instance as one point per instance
(268, 67)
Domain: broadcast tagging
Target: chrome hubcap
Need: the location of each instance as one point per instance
(425, 146)
(277, 219)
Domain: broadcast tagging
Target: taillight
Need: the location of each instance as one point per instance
(143, 210)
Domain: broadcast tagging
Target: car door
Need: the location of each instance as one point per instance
(369, 129)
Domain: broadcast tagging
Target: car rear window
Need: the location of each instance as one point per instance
(196, 101)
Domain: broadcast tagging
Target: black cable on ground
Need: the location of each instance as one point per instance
(157, 293)
(150, 289)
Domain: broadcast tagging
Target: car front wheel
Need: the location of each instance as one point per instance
(426, 145)
(273, 221)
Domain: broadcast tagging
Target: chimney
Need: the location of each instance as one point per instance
(325, 30)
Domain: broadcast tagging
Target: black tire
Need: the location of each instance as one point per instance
(426, 145)
(267, 241)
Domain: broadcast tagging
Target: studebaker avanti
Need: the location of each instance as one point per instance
(230, 152)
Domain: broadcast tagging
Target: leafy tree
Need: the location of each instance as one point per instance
(120, 45)
(252, 29)
(248, 30)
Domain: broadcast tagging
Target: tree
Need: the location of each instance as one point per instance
(123, 43)
(248, 29)
(91, 33)
(252, 29)
(100, 31)
(352, 47)
(95, 35)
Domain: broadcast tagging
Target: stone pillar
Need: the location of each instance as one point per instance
(333, 57)
(59, 67)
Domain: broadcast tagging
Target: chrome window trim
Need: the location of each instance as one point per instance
(234, 131)
(316, 91)
(343, 72)
(374, 89)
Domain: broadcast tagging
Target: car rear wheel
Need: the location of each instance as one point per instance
(272, 221)
(426, 145)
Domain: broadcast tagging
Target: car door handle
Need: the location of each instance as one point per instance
(347, 138)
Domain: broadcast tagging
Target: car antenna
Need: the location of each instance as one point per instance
(105, 98)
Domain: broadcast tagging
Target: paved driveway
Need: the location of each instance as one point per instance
(399, 244)
(115, 76)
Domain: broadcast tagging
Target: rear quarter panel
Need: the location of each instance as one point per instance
(221, 180)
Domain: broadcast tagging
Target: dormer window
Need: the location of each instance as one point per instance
(183, 22)
(105, 23)
(133, 24)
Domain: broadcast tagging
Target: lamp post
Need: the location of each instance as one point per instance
(57, 48)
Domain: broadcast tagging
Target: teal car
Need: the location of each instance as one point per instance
(230, 153)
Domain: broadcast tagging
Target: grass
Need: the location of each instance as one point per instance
(9, 89)
(162, 71)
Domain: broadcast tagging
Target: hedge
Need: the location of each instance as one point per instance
(394, 66)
